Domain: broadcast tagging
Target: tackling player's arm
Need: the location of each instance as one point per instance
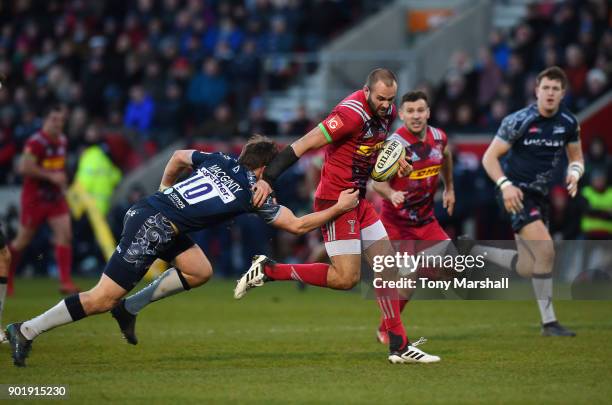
(287, 157)
(513, 196)
(575, 169)
(29, 167)
(287, 220)
(180, 160)
(384, 189)
(448, 196)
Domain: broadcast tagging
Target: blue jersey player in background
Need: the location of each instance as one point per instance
(219, 188)
(534, 141)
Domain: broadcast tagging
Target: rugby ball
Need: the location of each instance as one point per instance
(387, 161)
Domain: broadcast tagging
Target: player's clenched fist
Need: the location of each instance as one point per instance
(348, 199)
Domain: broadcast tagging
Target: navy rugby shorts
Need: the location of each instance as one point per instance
(535, 207)
(147, 235)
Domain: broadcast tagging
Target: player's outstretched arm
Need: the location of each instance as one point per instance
(287, 221)
(180, 160)
(287, 157)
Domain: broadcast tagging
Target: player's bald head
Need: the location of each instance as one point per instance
(383, 75)
(380, 90)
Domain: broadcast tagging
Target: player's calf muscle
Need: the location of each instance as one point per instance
(196, 280)
(342, 279)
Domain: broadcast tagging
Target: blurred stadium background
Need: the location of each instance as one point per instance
(145, 77)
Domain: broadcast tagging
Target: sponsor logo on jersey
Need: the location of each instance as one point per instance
(53, 163)
(534, 130)
(334, 123)
(534, 212)
(367, 150)
(169, 190)
(558, 130)
(551, 143)
(219, 177)
(424, 173)
(176, 200)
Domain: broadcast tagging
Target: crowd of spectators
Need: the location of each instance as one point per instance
(573, 34)
(150, 71)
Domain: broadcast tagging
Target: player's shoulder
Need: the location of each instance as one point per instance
(567, 116)
(518, 118)
(354, 106)
(200, 157)
(437, 134)
(36, 138)
(222, 164)
(35, 143)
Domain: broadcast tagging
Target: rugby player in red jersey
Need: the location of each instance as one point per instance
(408, 207)
(353, 133)
(43, 167)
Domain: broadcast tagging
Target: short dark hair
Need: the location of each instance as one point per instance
(54, 107)
(553, 73)
(257, 152)
(413, 96)
(381, 74)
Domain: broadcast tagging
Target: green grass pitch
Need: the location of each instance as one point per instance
(280, 345)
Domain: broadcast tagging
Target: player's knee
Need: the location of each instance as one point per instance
(63, 238)
(201, 277)
(5, 254)
(348, 281)
(95, 302)
(546, 254)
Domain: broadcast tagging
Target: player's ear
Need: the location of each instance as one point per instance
(366, 90)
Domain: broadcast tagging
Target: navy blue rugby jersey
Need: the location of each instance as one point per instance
(218, 189)
(538, 145)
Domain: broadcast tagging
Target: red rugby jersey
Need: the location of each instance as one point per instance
(420, 186)
(50, 155)
(355, 134)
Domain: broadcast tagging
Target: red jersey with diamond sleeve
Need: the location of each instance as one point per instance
(355, 134)
(420, 186)
(50, 155)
